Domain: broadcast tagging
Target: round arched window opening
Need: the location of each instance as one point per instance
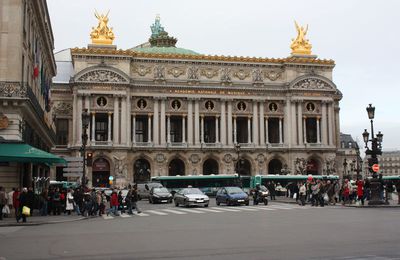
(310, 107)
(273, 107)
(101, 101)
(209, 105)
(141, 104)
(176, 104)
(241, 106)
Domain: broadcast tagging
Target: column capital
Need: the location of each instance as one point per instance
(217, 116)
(109, 113)
(93, 113)
(318, 117)
(249, 117)
(150, 114)
(184, 116)
(304, 117)
(202, 115)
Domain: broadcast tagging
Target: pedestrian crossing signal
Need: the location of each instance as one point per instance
(89, 159)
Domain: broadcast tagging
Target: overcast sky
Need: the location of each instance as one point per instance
(363, 37)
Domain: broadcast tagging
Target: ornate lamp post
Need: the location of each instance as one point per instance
(85, 125)
(376, 149)
(345, 168)
(237, 163)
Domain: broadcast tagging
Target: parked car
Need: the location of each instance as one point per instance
(160, 195)
(232, 196)
(191, 197)
(144, 189)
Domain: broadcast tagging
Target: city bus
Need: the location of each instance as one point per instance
(209, 184)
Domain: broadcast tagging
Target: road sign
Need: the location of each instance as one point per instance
(375, 167)
(74, 164)
(77, 169)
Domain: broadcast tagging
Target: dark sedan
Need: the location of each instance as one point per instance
(232, 196)
(160, 195)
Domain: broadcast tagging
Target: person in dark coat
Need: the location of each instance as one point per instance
(30, 196)
(23, 201)
(78, 198)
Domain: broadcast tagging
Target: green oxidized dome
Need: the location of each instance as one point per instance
(161, 43)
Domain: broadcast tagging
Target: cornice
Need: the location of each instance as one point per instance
(133, 54)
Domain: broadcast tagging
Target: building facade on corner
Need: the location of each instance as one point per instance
(157, 109)
(27, 67)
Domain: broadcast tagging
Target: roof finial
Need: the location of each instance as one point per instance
(102, 34)
(156, 28)
(301, 45)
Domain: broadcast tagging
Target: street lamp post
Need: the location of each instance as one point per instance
(237, 165)
(85, 125)
(345, 168)
(376, 149)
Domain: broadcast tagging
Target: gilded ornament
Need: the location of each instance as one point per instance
(273, 75)
(209, 73)
(4, 122)
(176, 71)
(102, 34)
(141, 70)
(241, 74)
(301, 45)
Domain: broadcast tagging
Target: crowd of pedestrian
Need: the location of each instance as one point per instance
(57, 201)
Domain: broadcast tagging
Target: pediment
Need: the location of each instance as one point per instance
(103, 76)
(312, 83)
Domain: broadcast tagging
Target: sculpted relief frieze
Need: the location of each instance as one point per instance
(159, 73)
(141, 70)
(257, 76)
(241, 74)
(12, 89)
(193, 73)
(101, 76)
(209, 73)
(63, 108)
(176, 71)
(226, 75)
(311, 83)
(273, 74)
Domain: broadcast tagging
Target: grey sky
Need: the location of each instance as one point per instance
(361, 36)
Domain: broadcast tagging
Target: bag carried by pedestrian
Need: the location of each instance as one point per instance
(6, 209)
(26, 211)
(326, 197)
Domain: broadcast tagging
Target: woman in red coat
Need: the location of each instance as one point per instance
(113, 204)
(360, 191)
(16, 201)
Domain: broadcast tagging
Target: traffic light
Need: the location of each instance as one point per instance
(89, 159)
(372, 161)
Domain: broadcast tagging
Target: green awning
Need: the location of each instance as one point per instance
(26, 153)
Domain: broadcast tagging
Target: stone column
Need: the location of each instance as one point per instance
(216, 129)
(293, 127)
(128, 120)
(262, 125)
(168, 129)
(318, 130)
(336, 126)
(299, 123)
(134, 129)
(109, 128)
(123, 121)
(162, 122)
(230, 140)
(280, 131)
(190, 122)
(287, 123)
(266, 130)
(234, 130)
(324, 124)
(255, 123)
(331, 126)
(79, 117)
(74, 119)
(196, 123)
(304, 129)
(249, 129)
(149, 128)
(93, 125)
(202, 129)
(223, 123)
(155, 122)
(116, 120)
(183, 128)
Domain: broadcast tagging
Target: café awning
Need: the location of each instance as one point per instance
(17, 152)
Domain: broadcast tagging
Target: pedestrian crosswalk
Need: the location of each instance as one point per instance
(221, 209)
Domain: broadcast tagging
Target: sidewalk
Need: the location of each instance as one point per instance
(39, 220)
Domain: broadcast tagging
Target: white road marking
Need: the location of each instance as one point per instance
(175, 211)
(125, 216)
(209, 210)
(261, 207)
(192, 211)
(141, 214)
(157, 212)
(5, 230)
(107, 217)
(225, 209)
(279, 207)
(244, 208)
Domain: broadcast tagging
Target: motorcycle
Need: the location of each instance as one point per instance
(261, 196)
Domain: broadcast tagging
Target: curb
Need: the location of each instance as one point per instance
(374, 206)
(40, 223)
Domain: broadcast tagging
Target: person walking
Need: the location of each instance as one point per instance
(69, 203)
(346, 192)
(78, 199)
(15, 199)
(360, 191)
(135, 198)
(23, 202)
(302, 194)
(3, 201)
(10, 199)
(57, 202)
(128, 201)
(99, 201)
(30, 197)
(44, 202)
(113, 204)
(397, 184)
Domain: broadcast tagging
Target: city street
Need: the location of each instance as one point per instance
(276, 231)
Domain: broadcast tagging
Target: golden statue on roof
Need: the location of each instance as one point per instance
(301, 45)
(102, 34)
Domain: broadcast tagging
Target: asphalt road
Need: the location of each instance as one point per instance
(276, 231)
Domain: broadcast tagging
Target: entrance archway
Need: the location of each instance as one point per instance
(312, 167)
(274, 166)
(100, 173)
(176, 167)
(243, 167)
(141, 171)
(210, 166)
